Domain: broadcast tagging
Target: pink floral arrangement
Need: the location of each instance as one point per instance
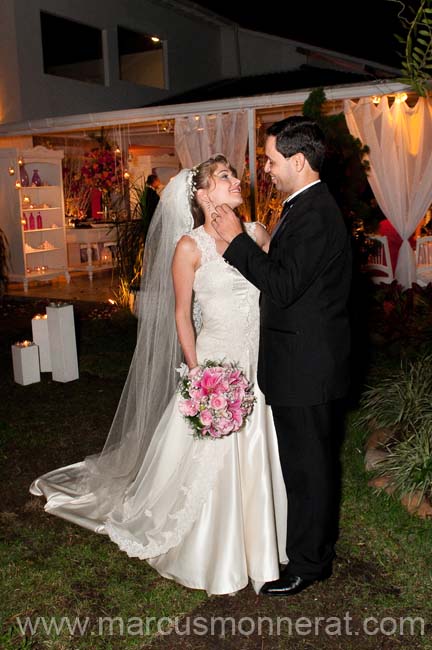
(216, 398)
(102, 170)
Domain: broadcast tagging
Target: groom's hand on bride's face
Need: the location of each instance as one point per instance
(226, 223)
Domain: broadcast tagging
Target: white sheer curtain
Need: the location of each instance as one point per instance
(400, 143)
(198, 137)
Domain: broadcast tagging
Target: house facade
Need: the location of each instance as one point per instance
(60, 58)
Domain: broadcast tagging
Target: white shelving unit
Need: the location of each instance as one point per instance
(35, 253)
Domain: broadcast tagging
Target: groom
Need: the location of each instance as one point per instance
(304, 339)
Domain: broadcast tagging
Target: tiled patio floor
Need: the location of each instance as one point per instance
(100, 289)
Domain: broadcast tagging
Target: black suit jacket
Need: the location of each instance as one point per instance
(151, 201)
(304, 282)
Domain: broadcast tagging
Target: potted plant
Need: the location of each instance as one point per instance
(131, 235)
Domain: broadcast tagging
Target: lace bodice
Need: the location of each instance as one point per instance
(229, 306)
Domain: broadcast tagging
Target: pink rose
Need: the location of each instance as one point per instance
(206, 417)
(217, 402)
(225, 426)
(188, 407)
(196, 393)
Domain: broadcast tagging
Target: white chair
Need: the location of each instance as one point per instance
(423, 256)
(378, 265)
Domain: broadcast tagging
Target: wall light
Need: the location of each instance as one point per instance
(165, 126)
(402, 97)
(398, 98)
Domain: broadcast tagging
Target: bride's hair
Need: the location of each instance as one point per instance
(200, 179)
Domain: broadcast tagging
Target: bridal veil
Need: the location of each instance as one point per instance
(100, 480)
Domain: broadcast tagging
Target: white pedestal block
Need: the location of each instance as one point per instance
(40, 337)
(62, 342)
(25, 361)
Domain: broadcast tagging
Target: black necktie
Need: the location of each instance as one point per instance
(286, 208)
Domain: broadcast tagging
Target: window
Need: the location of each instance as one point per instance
(141, 58)
(71, 49)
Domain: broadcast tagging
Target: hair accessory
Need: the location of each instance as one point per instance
(191, 181)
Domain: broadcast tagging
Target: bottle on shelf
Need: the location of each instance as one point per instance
(24, 221)
(23, 176)
(36, 179)
(39, 220)
(31, 223)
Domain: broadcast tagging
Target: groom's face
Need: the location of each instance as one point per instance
(282, 170)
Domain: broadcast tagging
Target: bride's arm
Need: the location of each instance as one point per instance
(185, 262)
(262, 236)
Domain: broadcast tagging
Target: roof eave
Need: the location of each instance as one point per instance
(152, 113)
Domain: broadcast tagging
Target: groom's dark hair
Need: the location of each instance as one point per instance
(297, 134)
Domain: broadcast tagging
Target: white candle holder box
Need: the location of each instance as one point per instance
(25, 361)
(62, 342)
(41, 338)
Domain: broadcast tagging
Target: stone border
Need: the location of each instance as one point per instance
(375, 452)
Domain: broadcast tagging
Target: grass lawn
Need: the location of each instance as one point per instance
(55, 575)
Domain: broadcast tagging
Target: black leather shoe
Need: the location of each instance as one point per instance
(289, 585)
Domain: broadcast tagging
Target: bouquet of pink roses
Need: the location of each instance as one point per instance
(216, 398)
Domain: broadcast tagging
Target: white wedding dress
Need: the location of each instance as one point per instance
(209, 514)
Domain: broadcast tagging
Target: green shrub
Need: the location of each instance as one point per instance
(408, 465)
(400, 399)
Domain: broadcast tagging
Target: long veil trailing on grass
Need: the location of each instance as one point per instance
(86, 491)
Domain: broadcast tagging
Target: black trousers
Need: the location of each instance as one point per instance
(309, 440)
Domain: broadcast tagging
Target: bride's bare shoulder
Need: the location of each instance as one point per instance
(186, 243)
(187, 249)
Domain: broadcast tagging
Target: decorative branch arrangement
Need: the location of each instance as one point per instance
(417, 44)
(76, 194)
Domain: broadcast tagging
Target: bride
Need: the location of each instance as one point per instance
(209, 514)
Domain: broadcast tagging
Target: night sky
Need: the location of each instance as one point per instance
(362, 28)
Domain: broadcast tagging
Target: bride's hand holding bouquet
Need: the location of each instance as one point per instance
(216, 399)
